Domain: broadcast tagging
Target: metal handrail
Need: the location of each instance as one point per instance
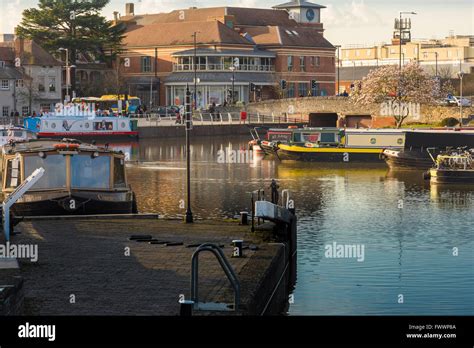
(224, 263)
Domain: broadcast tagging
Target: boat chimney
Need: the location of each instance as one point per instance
(129, 9)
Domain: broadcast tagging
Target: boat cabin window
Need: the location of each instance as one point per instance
(119, 173)
(306, 137)
(54, 167)
(90, 172)
(103, 125)
(13, 173)
(328, 138)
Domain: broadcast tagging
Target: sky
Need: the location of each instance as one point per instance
(346, 22)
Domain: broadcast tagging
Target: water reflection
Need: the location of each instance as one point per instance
(408, 227)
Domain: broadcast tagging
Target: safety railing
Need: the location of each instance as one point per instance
(218, 118)
(224, 263)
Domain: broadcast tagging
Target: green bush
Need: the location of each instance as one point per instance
(449, 122)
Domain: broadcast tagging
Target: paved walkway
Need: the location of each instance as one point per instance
(87, 259)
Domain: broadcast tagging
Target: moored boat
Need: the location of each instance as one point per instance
(77, 121)
(79, 178)
(336, 145)
(453, 167)
(415, 155)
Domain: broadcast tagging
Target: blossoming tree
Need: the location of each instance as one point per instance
(387, 83)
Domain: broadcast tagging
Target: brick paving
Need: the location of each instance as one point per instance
(86, 258)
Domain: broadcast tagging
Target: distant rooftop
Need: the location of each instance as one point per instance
(298, 3)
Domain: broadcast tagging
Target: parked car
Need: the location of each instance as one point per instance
(452, 100)
(165, 111)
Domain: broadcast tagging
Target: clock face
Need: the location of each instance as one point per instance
(309, 14)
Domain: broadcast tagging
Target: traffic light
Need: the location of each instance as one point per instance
(253, 87)
(283, 84)
(314, 85)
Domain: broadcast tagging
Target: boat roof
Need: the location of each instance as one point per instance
(37, 145)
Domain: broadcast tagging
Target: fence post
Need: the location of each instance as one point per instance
(230, 117)
(273, 117)
(220, 116)
(258, 117)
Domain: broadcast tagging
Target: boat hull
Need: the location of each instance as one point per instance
(443, 176)
(74, 204)
(343, 155)
(406, 159)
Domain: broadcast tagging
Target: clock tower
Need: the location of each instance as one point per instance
(302, 11)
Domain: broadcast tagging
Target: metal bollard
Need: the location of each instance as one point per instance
(186, 309)
(238, 244)
(244, 215)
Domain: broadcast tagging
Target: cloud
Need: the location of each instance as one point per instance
(351, 14)
(11, 15)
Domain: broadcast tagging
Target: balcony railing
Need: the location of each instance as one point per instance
(223, 67)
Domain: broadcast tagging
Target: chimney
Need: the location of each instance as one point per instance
(129, 9)
(116, 16)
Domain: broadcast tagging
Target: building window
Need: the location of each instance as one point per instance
(146, 64)
(291, 90)
(449, 54)
(392, 50)
(347, 54)
(368, 53)
(19, 83)
(357, 53)
(2, 64)
(5, 85)
(45, 107)
(302, 64)
(41, 84)
(290, 63)
(5, 111)
(302, 89)
(316, 61)
(25, 110)
(52, 84)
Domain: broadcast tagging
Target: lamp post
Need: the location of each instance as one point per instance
(194, 68)
(461, 74)
(188, 123)
(68, 76)
(232, 68)
(400, 37)
(400, 27)
(338, 64)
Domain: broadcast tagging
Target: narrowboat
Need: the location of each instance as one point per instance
(453, 167)
(79, 178)
(331, 144)
(76, 121)
(420, 143)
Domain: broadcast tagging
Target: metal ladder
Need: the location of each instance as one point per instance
(229, 272)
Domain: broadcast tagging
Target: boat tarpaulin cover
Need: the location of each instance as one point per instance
(438, 139)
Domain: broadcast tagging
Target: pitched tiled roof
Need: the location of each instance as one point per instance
(166, 34)
(6, 54)
(33, 54)
(243, 16)
(8, 73)
(287, 36)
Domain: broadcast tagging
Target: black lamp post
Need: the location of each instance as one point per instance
(189, 213)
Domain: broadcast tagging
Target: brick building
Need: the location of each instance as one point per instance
(269, 45)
